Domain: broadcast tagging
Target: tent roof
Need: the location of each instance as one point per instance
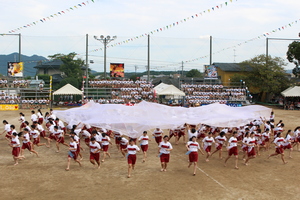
(68, 90)
(291, 92)
(171, 90)
(160, 87)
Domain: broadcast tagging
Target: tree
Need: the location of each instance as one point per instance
(293, 56)
(195, 73)
(71, 67)
(264, 77)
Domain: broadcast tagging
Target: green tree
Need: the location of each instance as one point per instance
(265, 77)
(293, 56)
(72, 68)
(194, 73)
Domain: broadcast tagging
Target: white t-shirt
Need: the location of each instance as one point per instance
(208, 141)
(287, 140)
(251, 142)
(86, 134)
(193, 146)
(157, 133)
(7, 127)
(73, 145)
(164, 146)
(94, 147)
(15, 141)
(26, 137)
(190, 134)
(220, 139)
(144, 140)
(232, 142)
(279, 142)
(58, 133)
(132, 149)
(34, 118)
(34, 133)
(105, 140)
(124, 141)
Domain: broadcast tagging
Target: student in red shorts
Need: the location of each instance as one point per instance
(193, 146)
(95, 149)
(251, 150)
(27, 143)
(207, 143)
(232, 149)
(144, 141)
(15, 144)
(132, 148)
(164, 149)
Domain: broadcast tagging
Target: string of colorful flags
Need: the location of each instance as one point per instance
(169, 26)
(265, 35)
(57, 14)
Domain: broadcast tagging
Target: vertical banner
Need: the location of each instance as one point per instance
(15, 69)
(210, 72)
(116, 69)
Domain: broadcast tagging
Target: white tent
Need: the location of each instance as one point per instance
(68, 90)
(170, 91)
(291, 92)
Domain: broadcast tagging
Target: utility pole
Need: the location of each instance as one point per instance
(86, 64)
(182, 69)
(210, 50)
(148, 64)
(135, 67)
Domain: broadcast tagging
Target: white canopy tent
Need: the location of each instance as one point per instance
(68, 89)
(291, 92)
(170, 91)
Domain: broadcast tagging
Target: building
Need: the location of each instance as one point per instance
(50, 68)
(227, 70)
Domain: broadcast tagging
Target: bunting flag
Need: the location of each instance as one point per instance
(210, 10)
(44, 19)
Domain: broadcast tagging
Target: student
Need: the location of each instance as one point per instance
(15, 145)
(105, 141)
(36, 137)
(279, 140)
(95, 149)
(132, 148)
(144, 140)
(72, 153)
(77, 140)
(220, 140)
(87, 136)
(158, 135)
(244, 145)
(59, 135)
(192, 147)
(266, 138)
(232, 149)
(33, 117)
(26, 143)
(207, 143)
(287, 142)
(123, 145)
(250, 150)
(6, 130)
(164, 149)
(116, 136)
(22, 121)
(40, 116)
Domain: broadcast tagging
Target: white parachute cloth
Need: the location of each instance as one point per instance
(133, 120)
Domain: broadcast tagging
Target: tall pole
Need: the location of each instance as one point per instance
(105, 43)
(182, 69)
(267, 50)
(210, 50)
(148, 58)
(19, 47)
(86, 64)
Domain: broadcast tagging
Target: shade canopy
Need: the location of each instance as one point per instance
(168, 90)
(291, 92)
(68, 89)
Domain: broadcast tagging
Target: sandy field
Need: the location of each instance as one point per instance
(45, 177)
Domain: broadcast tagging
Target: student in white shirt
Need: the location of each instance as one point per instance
(232, 149)
(192, 147)
(132, 148)
(144, 140)
(72, 153)
(164, 149)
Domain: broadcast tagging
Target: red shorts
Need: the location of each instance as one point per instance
(27, 146)
(117, 141)
(95, 156)
(15, 151)
(131, 159)
(219, 146)
(164, 158)
(105, 148)
(61, 140)
(181, 133)
(245, 148)
(252, 152)
(36, 140)
(262, 143)
(78, 148)
(208, 149)
(64, 129)
(87, 140)
(158, 139)
(279, 150)
(267, 140)
(289, 146)
(23, 125)
(233, 150)
(193, 156)
(43, 134)
(40, 120)
(8, 135)
(123, 146)
(240, 138)
(52, 136)
(144, 147)
(73, 155)
(202, 135)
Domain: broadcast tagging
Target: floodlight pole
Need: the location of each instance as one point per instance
(105, 40)
(4, 34)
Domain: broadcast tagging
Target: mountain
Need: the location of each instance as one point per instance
(29, 63)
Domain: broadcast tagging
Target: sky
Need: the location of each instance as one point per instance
(236, 28)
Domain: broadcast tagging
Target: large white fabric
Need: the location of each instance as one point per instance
(291, 92)
(133, 120)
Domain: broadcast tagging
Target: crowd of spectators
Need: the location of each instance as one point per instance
(17, 83)
(9, 99)
(208, 93)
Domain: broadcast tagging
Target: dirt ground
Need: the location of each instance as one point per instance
(45, 177)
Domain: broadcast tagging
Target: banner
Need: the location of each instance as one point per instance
(9, 107)
(210, 72)
(15, 69)
(116, 69)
